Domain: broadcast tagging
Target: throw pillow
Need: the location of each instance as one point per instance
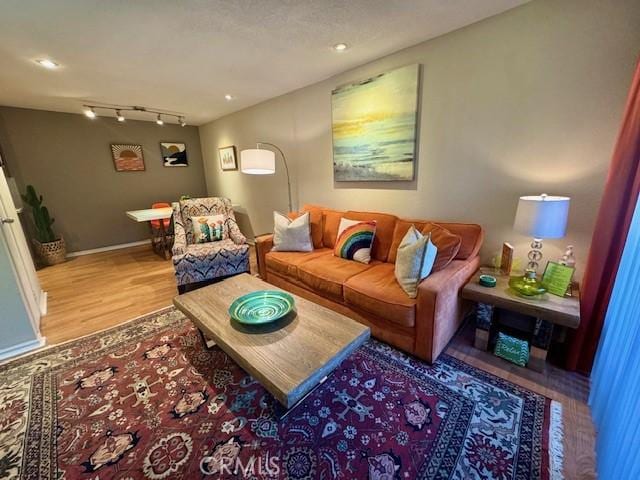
(354, 240)
(414, 260)
(209, 228)
(291, 235)
(448, 244)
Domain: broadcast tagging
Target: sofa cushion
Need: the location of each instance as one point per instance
(330, 224)
(385, 224)
(354, 240)
(326, 274)
(376, 291)
(286, 263)
(400, 230)
(315, 214)
(448, 244)
(471, 235)
(291, 235)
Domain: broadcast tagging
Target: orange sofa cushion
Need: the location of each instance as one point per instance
(472, 236)
(376, 291)
(330, 224)
(447, 243)
(327, 274)
(385, 223)
(286, 263)
(400, 230)
(315, 219)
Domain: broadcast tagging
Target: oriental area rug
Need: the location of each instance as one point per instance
(148, 400)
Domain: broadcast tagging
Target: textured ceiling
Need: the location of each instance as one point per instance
(186, 55)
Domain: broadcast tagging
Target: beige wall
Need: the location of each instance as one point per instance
(67, 157)
(525, 102)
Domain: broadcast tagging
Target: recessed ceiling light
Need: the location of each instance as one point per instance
(90, 112)
(340, 47)
(47, 63)
(228, 97)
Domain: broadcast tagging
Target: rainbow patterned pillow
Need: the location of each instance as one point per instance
(355, 240)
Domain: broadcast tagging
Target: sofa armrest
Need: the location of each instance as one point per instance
(439, 307)
(264, 244)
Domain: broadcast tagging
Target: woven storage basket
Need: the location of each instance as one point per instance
(51, 253)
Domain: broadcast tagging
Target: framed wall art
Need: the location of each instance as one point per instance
(174, 154)
(228, 160)
(127, 158)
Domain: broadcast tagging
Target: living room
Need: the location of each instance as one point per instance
(319, 239)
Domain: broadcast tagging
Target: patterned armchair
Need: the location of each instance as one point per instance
(198, 262)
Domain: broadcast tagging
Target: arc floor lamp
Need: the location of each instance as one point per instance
(260, 161)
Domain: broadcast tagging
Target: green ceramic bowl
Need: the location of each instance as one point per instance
(263, 306)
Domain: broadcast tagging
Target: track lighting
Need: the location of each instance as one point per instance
(90, 111)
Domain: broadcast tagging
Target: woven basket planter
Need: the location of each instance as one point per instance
(51, 253)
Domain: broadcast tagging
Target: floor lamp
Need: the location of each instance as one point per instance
(258, 161)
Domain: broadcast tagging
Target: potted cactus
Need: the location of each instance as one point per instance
(49, 248)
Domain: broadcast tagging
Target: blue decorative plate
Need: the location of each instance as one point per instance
(263, 306)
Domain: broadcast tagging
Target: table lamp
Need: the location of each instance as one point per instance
(540, 216)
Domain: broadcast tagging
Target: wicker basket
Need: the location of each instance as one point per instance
(51, 253)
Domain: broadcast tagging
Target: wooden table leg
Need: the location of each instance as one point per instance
(484, 318)
(540, 345)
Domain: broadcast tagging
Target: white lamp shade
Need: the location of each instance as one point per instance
(542, 216)
(256, 161)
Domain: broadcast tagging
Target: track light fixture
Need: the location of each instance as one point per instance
(90, 111)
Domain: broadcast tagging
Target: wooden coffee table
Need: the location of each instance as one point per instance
(290, 356)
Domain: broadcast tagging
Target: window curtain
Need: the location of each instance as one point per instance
(612, 225)
(615, 380)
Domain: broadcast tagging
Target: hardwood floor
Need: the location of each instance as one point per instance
(98, 291)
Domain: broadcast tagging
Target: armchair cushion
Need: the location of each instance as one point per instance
(197, 207)
(203, 261)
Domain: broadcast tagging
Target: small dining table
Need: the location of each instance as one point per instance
(149, 214)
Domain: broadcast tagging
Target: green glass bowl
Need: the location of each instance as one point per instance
(263, 306)
(529, 287)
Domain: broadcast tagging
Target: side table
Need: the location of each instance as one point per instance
(548, 310)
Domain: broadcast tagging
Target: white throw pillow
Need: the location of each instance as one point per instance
(414, 260)
(291, 235)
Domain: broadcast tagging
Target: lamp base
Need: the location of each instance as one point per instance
(527, 285)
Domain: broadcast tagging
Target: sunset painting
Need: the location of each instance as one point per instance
(374, 127)
(127, 158)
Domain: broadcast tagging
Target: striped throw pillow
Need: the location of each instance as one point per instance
(355, 240)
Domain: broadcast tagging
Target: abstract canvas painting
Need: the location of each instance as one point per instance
(127, 158)
(174, 154)
(374, 127)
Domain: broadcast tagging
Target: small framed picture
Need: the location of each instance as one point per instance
(557, 278)
(174, 154)
(127, 158)
(228, 159)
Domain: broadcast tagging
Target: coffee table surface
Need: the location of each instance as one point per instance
(288, 357)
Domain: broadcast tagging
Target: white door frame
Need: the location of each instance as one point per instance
(34, 299)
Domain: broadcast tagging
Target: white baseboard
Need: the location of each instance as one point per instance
(107, 249)
(21, 348)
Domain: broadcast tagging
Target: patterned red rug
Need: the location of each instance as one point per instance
(148, 401)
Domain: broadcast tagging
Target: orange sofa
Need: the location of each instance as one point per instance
(370, 293)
